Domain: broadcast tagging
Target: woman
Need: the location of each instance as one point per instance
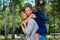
(31, 27)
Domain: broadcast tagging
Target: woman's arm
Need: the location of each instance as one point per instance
(29, 27)
(22, 25)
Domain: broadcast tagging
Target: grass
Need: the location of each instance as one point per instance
(3, 38)
(10, 38)
(49, 37)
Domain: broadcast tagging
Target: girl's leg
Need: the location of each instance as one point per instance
(42, 37)
(37, 36)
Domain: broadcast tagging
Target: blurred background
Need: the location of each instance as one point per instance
(10, 18)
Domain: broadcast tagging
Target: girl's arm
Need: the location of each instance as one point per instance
(28, 18)
(26, 21)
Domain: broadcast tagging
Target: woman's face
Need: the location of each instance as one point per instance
(23, 15)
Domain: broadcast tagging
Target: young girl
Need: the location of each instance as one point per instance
(40, 19)
(37, 35)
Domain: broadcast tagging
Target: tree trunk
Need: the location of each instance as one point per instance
(13, 21)
(40, 2)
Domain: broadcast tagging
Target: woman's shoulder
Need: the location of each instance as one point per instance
(31, 20)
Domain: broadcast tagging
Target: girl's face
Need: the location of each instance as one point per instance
(23, 15)
(28, 11)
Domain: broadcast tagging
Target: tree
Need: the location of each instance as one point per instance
(52, 12)
(19, 5)
(40, 5)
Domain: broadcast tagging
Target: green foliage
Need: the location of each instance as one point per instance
(19, 5)
(53, 13)
(27, 4)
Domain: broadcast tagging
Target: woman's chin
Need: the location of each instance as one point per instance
(24, 17)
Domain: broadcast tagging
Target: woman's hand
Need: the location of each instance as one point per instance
(22, 25)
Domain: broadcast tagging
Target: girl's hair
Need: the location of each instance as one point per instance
(29, 7)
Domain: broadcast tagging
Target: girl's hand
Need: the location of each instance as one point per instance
(32, 16)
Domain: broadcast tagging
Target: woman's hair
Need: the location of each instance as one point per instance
(22, 10)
